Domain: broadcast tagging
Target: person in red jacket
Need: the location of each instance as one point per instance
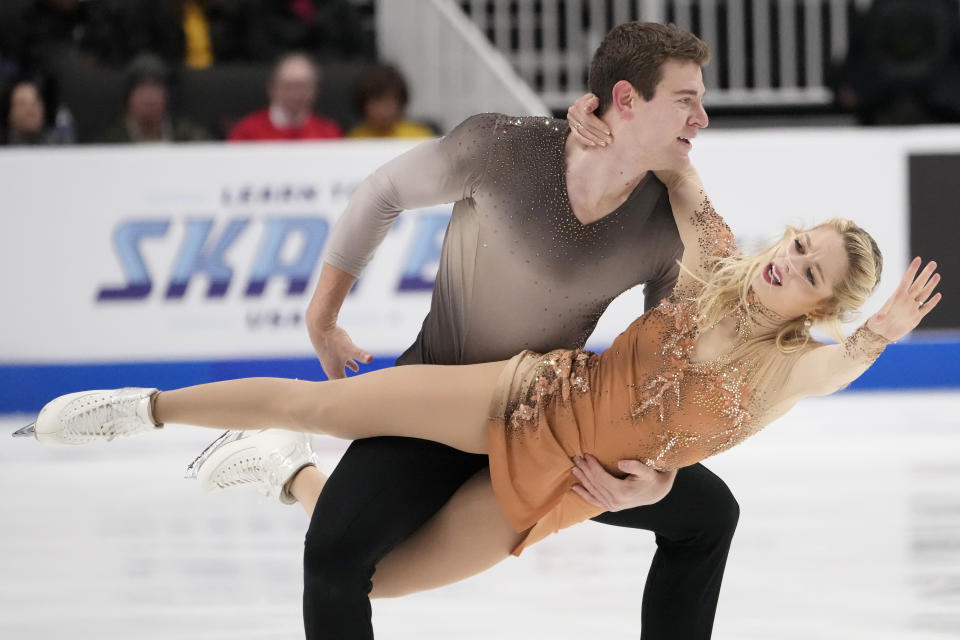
(293, 92)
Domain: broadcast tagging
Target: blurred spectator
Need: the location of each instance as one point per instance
(292, 90)
(147, 115)
(195, 33)
(46, 30)
(903, 64)
(381, 97)
(25, 118)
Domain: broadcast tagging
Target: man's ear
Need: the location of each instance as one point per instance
(625, 99)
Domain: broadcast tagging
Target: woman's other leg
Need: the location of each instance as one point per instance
(382, 492)
(306, 486)
(467, 536)
(446, 404)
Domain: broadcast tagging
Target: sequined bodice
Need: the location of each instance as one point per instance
(687, 411)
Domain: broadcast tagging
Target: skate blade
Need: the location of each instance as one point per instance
(29, 431)
(224, 438)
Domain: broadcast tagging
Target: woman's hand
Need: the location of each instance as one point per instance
(588, 128)
(909, 303)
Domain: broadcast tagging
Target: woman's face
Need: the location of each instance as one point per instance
(801, 272)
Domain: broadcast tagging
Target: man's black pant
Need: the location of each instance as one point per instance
(385, 488)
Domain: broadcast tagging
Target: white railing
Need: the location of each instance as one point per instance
(452, 69)
(781, 59)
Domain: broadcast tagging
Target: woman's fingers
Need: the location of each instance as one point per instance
(911, 285)
(927, 290)
(910, 274)
(596, 126)
(586, 133)
(923, 277)
(928, 306)
(586, 124)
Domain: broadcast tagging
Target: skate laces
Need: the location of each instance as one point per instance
(246, 470)
(253, 468)
(110, 418)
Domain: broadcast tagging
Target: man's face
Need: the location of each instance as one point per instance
(294, 87)
(26, 110)
(664, 127)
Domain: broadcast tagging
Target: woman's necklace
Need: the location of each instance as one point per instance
(756, 320)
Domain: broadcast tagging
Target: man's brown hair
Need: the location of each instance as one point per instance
(635, 52)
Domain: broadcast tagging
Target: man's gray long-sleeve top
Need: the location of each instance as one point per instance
(518, 270)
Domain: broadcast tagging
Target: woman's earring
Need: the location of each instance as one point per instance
(807, 323)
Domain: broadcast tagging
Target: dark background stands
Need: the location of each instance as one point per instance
(83, 47)
(903, 64)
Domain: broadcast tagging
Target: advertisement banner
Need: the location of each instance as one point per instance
(125, 254)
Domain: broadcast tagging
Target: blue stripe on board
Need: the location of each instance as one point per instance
(26, 388)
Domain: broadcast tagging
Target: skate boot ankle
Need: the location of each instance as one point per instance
(267, 459)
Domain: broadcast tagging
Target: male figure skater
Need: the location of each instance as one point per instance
(545, 233)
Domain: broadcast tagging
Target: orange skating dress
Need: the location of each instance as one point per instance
(643, 398)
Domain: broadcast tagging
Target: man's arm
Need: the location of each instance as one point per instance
(435, 172)
(334, 347)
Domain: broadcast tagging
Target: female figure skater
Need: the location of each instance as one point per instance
(728, 352)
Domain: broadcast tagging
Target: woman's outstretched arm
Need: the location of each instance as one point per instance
(826, 369)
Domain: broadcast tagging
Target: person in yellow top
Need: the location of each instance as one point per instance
(198, 44)
(380, 96)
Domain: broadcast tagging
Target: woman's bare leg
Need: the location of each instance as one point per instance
(306, 486)
(467, 536)
(447, 404)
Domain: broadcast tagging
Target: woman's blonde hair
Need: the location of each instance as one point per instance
(727, 287)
